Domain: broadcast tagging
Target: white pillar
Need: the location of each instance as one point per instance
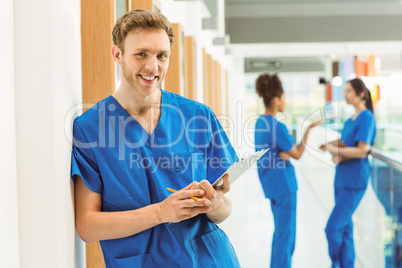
(9, 253)
(47, 81)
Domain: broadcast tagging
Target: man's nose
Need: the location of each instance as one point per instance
(152, 64)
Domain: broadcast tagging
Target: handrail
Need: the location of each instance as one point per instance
(392, 162)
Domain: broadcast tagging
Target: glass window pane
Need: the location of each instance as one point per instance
(121, 8)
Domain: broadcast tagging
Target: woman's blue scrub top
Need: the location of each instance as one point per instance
(131, 169)
(277, 176)
(356, 172)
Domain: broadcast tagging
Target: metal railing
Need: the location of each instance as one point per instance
(392, 162)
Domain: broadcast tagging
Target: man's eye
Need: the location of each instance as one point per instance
(163, 56)
(141, 54)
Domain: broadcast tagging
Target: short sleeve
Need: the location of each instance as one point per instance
(284, 141)
(220, 153)
(366, 129)
(262, 133)
(83, 162)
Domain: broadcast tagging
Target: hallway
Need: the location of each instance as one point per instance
(250, 227)
(254, 218)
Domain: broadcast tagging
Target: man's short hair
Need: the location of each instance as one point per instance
(140, 18)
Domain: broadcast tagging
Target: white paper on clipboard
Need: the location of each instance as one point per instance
(237, 169)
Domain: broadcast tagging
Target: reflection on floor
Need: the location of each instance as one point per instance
(250, 227)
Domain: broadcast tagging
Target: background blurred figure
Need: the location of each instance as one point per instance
(276, 173)
(352, 172)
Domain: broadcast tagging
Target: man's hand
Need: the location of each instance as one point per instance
(220, 205)
(179, 206)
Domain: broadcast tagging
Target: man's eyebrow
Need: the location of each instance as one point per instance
(147, 50)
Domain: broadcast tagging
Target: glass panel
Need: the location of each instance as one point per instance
(387, 110)
(182, 57)
(121, 8)
(156, 8)
(387, 184)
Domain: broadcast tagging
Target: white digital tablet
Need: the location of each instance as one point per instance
(237, 169)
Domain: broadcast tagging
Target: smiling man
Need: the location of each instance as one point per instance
(131, 146)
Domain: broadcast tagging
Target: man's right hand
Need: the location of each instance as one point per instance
(180, 206)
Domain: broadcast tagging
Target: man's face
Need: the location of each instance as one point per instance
(145, 60)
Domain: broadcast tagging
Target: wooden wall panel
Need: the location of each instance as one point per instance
(190, 67)
(98, 73)
(154, 5)
(94, 255)
(218, 89)
(145, 4)
(98, 69)
(205, 76)
(227, 92)
(174, 80)
(213, 89)
(220, 100)
(211, 81)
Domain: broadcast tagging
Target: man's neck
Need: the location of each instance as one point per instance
(145, 109)
(135, 103)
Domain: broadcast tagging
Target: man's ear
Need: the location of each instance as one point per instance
(116, 54)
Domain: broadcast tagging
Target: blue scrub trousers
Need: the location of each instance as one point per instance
(339, 228)
(283, 241)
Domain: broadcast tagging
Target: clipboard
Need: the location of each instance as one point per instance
(237, 169)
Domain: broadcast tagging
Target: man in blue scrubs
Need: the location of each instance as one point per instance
(131, 146)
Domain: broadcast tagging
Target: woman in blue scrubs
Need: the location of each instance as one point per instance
(276, 173)
(352, 172)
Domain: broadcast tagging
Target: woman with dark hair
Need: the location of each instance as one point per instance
(352, 172)
(276, 173)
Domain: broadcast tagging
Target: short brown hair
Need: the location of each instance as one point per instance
(140, 18)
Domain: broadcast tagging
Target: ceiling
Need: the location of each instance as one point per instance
(322, 28)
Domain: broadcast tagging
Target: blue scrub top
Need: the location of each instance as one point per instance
(355, 173)
(277, 176)
(117, 158)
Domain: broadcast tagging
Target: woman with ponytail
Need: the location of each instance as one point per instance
(276, 174)
(352, 172)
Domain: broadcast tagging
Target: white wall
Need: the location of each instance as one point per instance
(47, 81)
(40, 82)
(9, 253)
(190, 14)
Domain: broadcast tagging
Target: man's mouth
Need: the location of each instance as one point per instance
(148, 77)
